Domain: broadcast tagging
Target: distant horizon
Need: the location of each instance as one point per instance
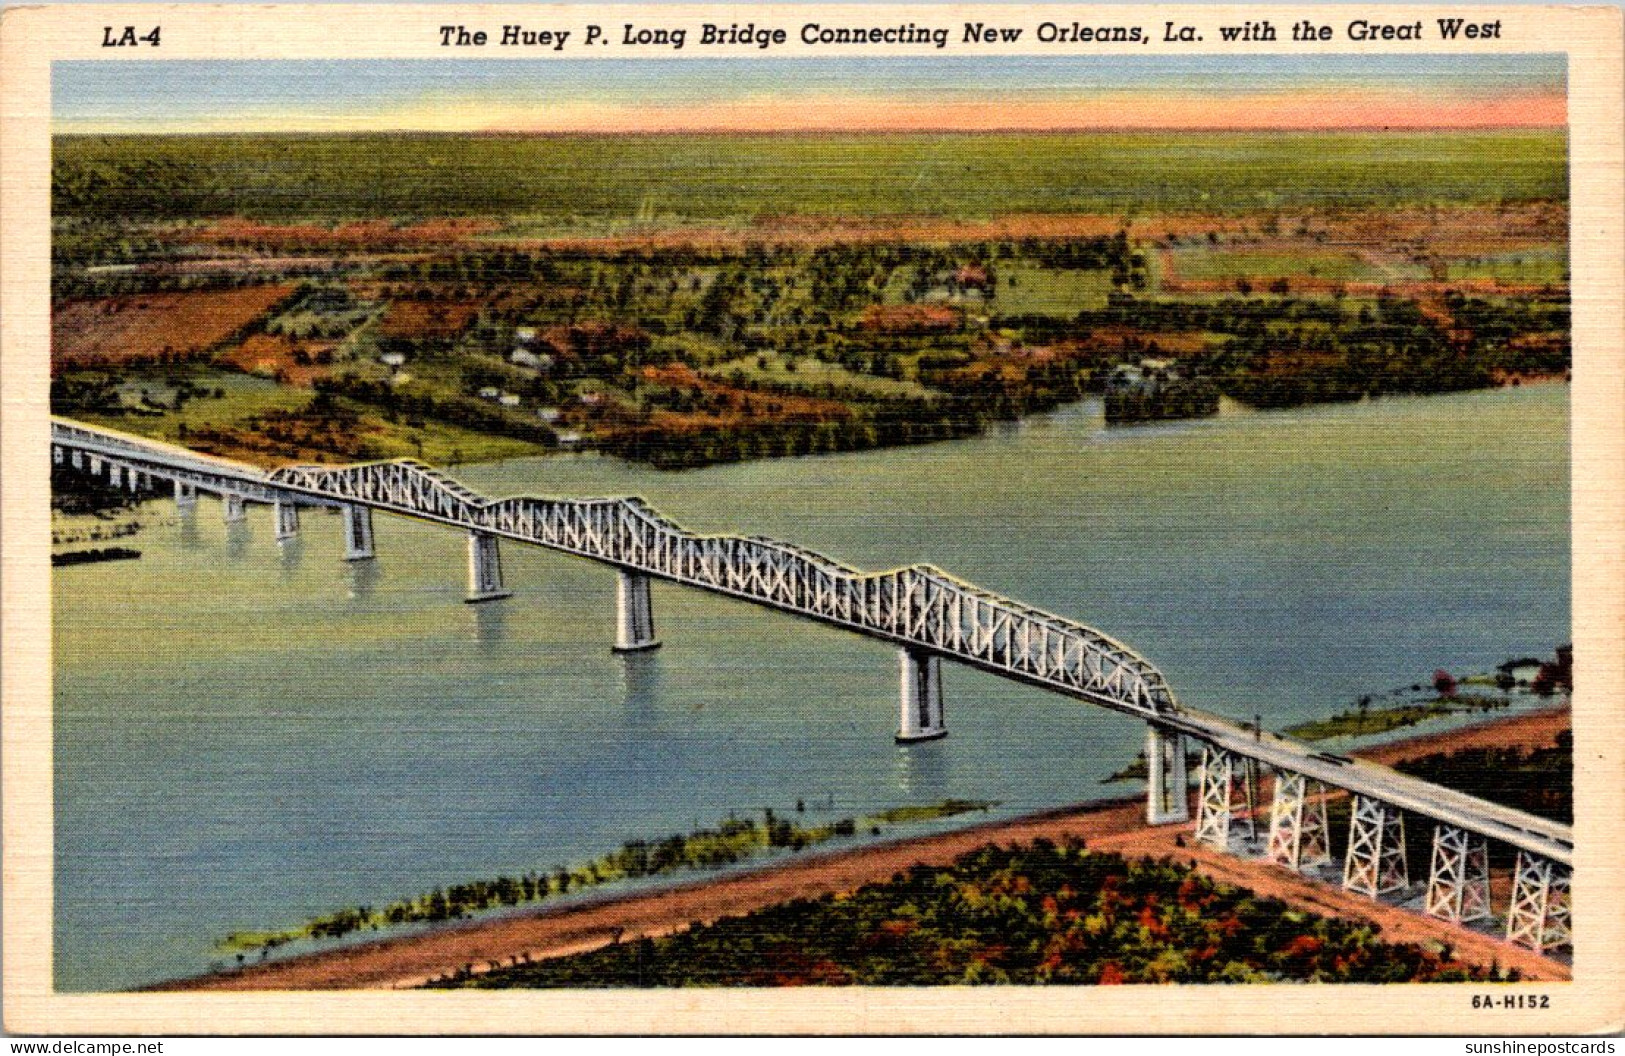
(1335, 93)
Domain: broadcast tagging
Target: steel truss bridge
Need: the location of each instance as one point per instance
(930, 616)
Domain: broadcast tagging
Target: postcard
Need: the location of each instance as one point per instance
(864, 519)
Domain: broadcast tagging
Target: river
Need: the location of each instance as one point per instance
(249, 735)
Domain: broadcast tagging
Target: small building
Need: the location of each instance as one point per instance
(490, 392)
(392, 359)
(548, 414)
(509, 399)
(592, 399)
(570, 438)
(525, 334)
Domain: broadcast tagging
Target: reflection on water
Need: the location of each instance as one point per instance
(290, 552)
(245, 743)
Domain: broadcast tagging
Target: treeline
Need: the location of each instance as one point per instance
(1034, 914)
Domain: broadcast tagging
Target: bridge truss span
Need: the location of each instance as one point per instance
(919, 607)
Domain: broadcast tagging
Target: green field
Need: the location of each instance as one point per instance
(594, 182)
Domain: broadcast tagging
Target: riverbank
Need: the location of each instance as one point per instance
(1115, 825)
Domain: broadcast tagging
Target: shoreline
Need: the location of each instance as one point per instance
(1110, 824)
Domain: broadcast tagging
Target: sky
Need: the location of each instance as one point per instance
(829, 94)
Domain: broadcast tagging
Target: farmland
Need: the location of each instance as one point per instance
(685, 300)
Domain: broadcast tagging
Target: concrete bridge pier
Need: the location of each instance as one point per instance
(77, 460)
(58, 455)
(1376, 864)
(1539, 916)
(634, 613)
(185, 497)
(484, 569)
(115, 474)
(235, 509)
(1167, 790)
(357, 533)
(95, 466)
(921, 716)
(1300, 836)
(1459, 880)
(287, 521)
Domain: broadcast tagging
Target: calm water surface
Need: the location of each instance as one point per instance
(247, 736)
